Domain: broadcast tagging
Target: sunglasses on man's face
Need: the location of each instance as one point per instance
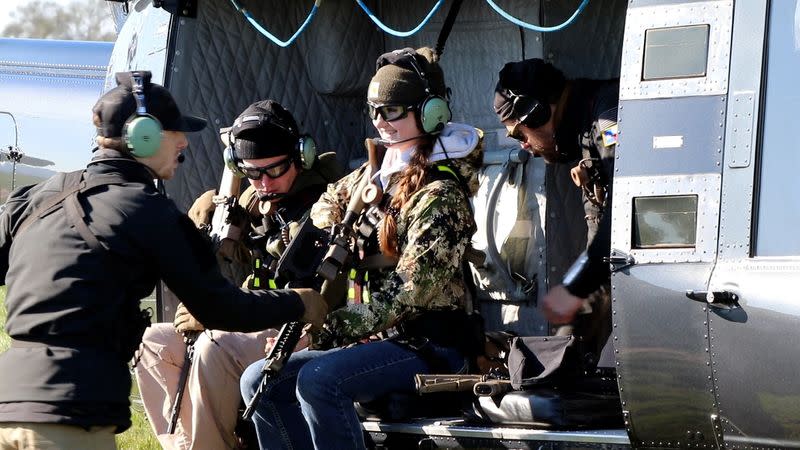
(516, 133)
(389, 113)
(272, 171)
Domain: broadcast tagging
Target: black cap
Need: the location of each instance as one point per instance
(118, 105)
(264, 130)
(531, 77)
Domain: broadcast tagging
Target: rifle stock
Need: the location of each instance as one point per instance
(480, 385)
(223, 224)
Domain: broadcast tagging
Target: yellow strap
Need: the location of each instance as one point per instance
(258, 263)
(272, 284)
(446, 169)
(256, 282)
(351, 293)
(365, 294)
(352, 274)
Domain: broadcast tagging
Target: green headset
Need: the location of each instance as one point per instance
(434, 110)
(305, 149)
(142, 132)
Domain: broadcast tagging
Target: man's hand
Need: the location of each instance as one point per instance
(316, 308)
(559, 306)
(185, 321)
(202, 209)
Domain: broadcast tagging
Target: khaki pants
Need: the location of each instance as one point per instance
(52, 436)
(211, 398)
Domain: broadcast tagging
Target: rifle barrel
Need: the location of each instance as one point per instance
(189, 337)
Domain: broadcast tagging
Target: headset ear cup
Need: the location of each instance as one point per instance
(533, 112)
(434, 114)
(143, 136)
(307, 150)
(231, 161)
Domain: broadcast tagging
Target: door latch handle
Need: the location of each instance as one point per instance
(716, 299)
(619, 260)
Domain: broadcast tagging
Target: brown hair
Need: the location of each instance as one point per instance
(115, 143)
(412, 179)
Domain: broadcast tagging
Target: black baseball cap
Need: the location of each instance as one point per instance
(117, 105)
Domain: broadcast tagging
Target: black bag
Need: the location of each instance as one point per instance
(544, 361)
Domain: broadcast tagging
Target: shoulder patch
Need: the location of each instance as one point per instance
(610, 135)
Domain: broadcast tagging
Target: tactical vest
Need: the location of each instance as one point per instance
(367, 241)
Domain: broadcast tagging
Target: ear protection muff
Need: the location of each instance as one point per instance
(529, 111)
(434, 111)
(229, 156)
(305, 149)
(142, 132)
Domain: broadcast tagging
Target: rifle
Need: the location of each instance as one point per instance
(189, 338)
(226, 226)
(480, 385)
(343, 234)
(308, 242)
(225, 230)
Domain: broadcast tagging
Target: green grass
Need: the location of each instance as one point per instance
(138, 437)
(5, 341)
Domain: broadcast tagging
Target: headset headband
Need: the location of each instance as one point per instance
(262, 119)
(137, 89)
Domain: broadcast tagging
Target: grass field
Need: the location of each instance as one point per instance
(138, 437)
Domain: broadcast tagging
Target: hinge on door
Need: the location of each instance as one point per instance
(716, 425)
(619, 260)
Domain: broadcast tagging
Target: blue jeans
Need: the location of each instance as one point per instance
(310, 404)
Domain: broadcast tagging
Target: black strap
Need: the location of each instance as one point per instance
(424, 349)
(75, 214)
(74, 184)
(447, 27)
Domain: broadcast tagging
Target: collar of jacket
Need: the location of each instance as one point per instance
(106, 161)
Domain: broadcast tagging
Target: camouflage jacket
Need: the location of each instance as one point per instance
(434, 229)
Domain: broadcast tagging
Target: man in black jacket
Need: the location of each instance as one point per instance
(78, 253)
(569, 122)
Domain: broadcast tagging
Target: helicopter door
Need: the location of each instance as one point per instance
(666, 198)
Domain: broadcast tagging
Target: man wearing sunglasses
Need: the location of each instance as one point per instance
(266, 147)
(569, 122)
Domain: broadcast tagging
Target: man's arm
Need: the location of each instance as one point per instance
(585, 276)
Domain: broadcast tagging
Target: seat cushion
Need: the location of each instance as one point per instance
(549, 408)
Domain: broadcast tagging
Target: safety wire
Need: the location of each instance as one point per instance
(538, 28)
(393, 32)
(397, 33)
(271, 36)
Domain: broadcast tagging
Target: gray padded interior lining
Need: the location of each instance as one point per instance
(221, 64)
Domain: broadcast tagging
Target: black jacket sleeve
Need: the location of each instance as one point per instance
(184, 260)
(591, 270)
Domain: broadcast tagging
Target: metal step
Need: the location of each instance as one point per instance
(456, 429)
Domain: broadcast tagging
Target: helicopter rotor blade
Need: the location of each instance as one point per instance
(29, 160)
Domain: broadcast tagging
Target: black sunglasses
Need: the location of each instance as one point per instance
(272, 171)
(389, 113)
(516, 133)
